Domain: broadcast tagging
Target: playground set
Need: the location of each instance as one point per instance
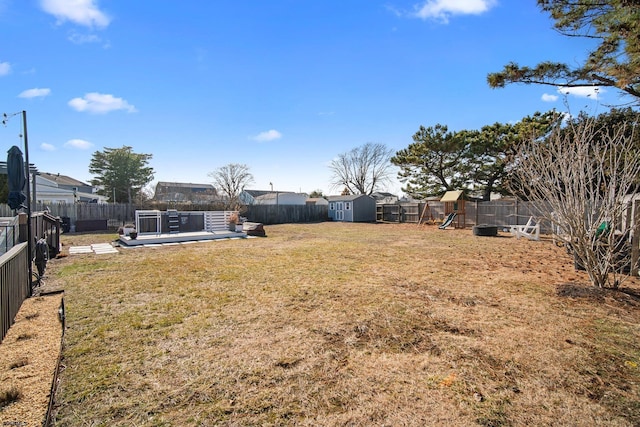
(454, 211)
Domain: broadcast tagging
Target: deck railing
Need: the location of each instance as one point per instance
(15, 285)
(9, 234)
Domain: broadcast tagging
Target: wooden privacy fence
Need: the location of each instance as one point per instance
(120, 213)
(283, 214)
(14, 285)
(498, 212)
(503, 213)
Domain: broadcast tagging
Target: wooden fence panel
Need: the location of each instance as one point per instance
(503, 213)
(283, 214)
(15, 285)
(507, 212)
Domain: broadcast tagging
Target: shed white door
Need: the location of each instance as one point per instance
(339, 211)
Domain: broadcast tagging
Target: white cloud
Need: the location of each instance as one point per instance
(77, 38)
(99, 103)
(47, 147)
(546, 97)
(80, 144)
(442, 9)
(81, 12)
(5, 68)
(269, 135)
(35, 93)
(592, 92)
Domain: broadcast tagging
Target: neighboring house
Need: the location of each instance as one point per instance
(185, 192)
(67, 183)
(353, 208)
(257, 197)
(318, 201)
(57, 188)
(385, 198)
(248, 197)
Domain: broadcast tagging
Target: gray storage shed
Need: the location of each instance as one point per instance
(353, 208)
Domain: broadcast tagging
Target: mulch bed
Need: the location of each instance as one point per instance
(28, 359)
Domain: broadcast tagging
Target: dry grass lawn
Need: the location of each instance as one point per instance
(345, 324)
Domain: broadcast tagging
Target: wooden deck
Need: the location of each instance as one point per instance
(158, 239)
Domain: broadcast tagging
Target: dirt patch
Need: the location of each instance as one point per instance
(623, 296)
(577, 290)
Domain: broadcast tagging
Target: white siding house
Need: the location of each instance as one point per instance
(185, 192)
(50, 191)
(254, 197)
(318, 201)
(385, 198)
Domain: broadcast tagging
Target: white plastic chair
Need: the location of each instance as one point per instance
(531, 230)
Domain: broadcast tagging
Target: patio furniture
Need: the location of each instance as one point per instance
(531, 230)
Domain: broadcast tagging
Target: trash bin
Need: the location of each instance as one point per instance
(65, 222)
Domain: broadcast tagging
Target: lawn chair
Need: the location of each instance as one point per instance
(531, 230)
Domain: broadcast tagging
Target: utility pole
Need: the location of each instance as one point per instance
(28, 174)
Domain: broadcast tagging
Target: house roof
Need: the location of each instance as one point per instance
(451, 196)
(275, 195)
(63, 179)
(347, 198)
(183, 185)
(258, 193)
(382, 194)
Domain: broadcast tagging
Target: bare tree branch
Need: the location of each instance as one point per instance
(579, 177)
(232, 179)
(362, 170)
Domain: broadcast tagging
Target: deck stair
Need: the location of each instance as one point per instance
(174, 220)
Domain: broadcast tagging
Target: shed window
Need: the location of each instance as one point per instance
(347, 205)
(332, 206)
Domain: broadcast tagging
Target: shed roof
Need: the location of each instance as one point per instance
(451, 196)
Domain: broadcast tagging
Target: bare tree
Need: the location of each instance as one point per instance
(362, 170)
(579, 177)
(232, 179)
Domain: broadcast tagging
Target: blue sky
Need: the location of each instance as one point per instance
(282, 86)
